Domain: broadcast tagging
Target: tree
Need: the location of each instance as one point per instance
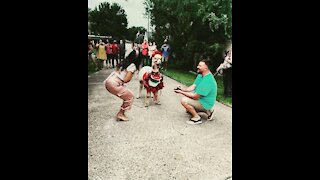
(109, 20)
(132, 31)
(195, 27)
(218, 15)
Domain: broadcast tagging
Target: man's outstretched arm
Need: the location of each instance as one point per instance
(188, 94)
(188, 89)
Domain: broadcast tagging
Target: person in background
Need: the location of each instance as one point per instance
(144, 51)
(226, 70)
(109, 54)
(152, 50)
(115, 52)
(165, 49)
(101, 54)
(91, 55)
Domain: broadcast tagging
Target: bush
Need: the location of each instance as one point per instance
(216, 54)
(91, 67)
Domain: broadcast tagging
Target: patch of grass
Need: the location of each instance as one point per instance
(181, 76)
(187, 78)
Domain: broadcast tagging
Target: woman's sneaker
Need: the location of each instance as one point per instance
(157, 102)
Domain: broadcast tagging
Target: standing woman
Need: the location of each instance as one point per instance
(101, 54)
(227, 78)
(109, 55)
(116, 82)
(226, 69)
(145, 55)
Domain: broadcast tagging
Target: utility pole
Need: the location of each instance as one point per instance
(148, 19)
(148, 8)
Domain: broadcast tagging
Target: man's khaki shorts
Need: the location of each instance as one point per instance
(195, 103)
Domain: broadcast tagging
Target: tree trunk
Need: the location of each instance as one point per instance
(195, 61)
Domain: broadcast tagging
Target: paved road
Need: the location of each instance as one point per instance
(156, 143)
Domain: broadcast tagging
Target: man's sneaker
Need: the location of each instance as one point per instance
(194, 122)
(195, 118)
(210, 116)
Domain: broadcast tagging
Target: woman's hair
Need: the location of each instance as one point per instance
(226, 52)
(131, 58)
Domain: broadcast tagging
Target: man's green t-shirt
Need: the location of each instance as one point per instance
(207, 87)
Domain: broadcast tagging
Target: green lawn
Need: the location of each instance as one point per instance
(188, 78)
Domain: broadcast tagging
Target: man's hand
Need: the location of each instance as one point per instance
(178, 87)
(178, 91)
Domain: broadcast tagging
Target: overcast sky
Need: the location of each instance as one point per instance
(134, 10)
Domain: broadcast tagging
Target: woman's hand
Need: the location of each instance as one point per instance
(128, 77)
(218, 68)
(229, 60)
